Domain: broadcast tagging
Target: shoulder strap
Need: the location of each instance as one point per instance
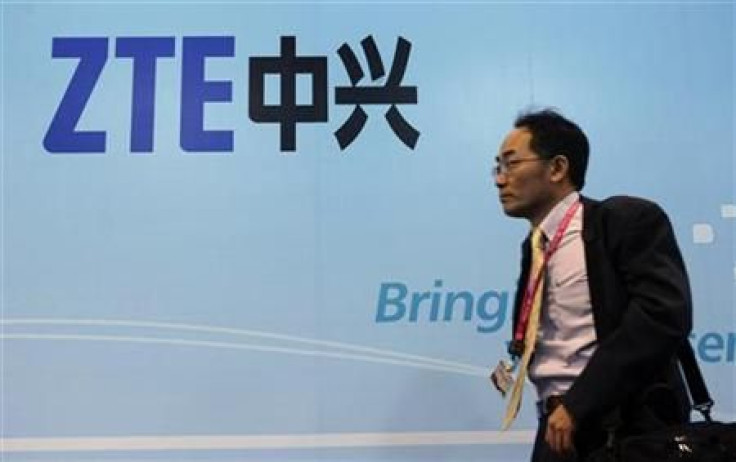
(699, 396)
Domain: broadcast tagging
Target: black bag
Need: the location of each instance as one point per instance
(705, 441)
(699, 441)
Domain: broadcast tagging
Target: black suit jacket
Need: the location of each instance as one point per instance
(642, 313)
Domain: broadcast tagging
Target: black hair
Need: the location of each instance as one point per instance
(554, 135)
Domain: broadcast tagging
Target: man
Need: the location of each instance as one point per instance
(615, 299)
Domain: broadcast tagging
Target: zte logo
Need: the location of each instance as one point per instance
(196, 91)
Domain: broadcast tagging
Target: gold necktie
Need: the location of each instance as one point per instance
(530, 336)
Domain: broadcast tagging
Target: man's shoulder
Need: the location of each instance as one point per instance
(616, 214)
(622, 205)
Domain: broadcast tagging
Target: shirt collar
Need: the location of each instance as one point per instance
(553, 219)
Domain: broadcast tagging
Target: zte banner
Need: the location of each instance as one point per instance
(195, 92)
(270, 232)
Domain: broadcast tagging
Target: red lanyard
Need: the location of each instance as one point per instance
(533, 285)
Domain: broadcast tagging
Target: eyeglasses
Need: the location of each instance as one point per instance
(504, 166)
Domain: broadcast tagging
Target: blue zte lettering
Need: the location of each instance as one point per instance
(196, 91)
(62, 136)
(144, 51)
(397, 303)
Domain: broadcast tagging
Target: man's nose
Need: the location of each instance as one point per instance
(499, 179)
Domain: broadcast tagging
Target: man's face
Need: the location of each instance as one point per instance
(524, 183)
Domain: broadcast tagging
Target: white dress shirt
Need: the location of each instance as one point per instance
(566, 339)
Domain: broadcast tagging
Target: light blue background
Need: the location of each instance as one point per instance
(298, 244)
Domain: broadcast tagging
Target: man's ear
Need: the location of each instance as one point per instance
(560, 168)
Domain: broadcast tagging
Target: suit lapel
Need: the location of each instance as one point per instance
(596, 262)
(526, 257)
